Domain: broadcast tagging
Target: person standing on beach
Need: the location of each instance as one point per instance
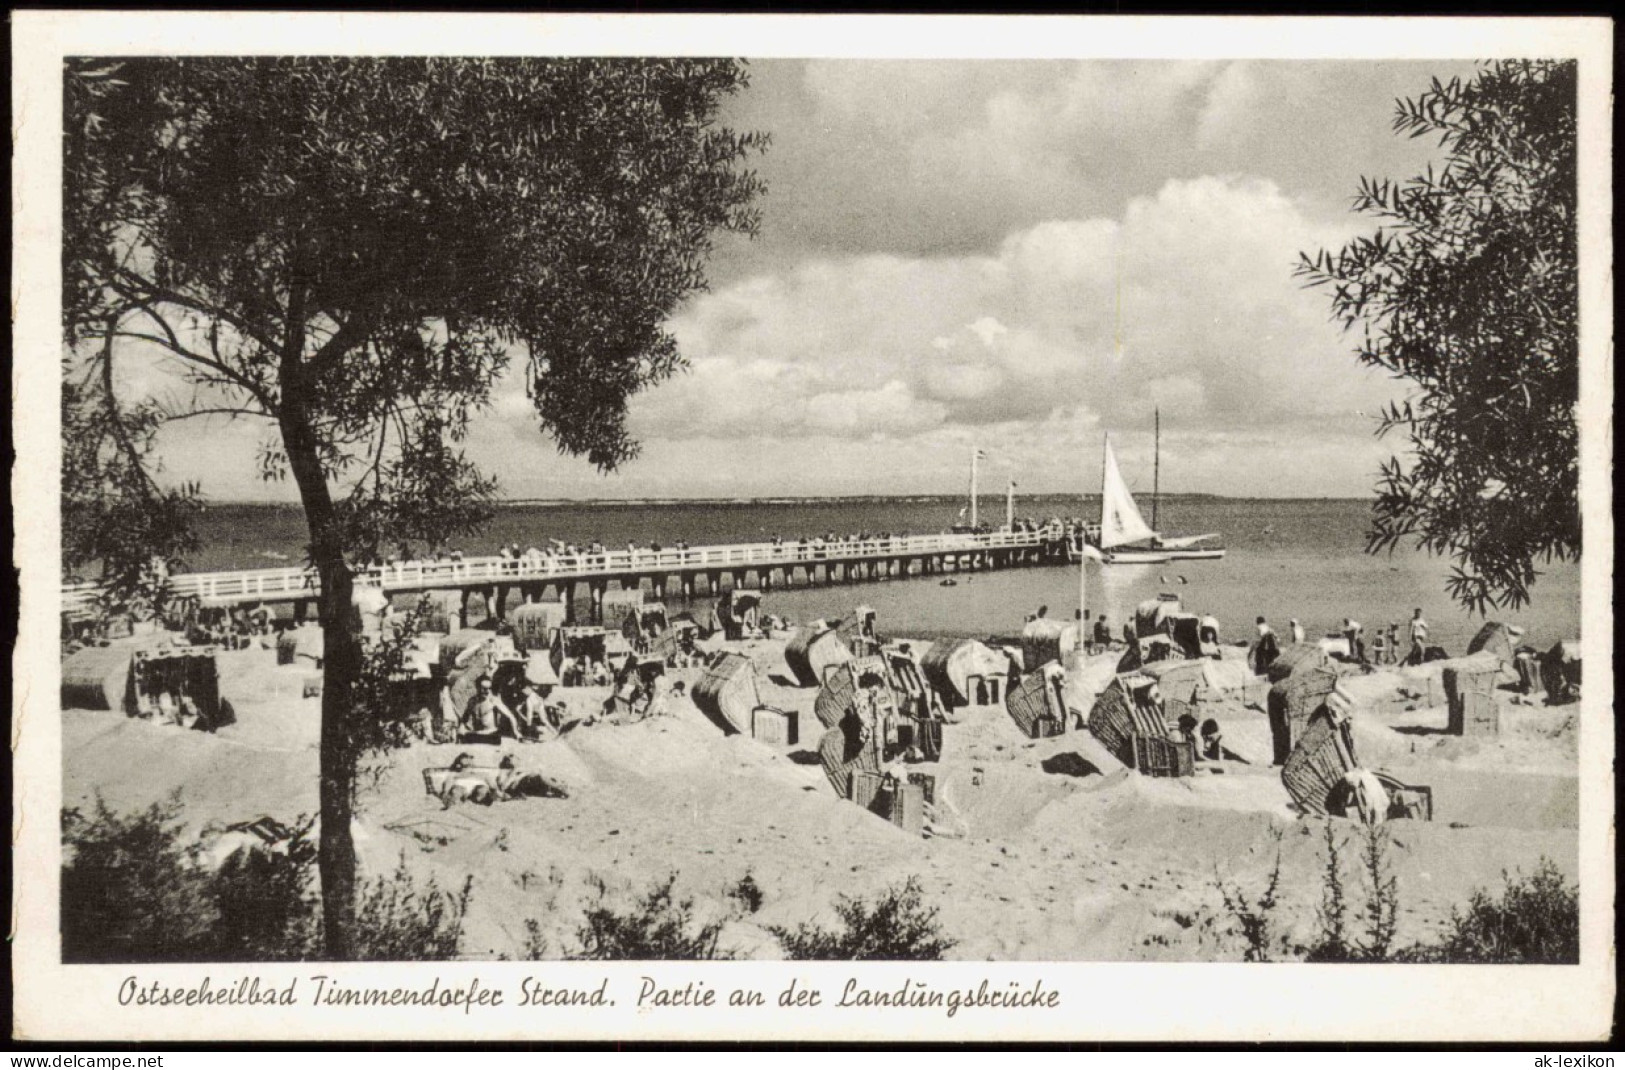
(1419, 639)
(1266, 650)
(1379, 648)
(1297, 631)
(1351, 634)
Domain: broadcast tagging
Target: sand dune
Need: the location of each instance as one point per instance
(1042, 849)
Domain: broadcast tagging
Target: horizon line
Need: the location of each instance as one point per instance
(771, 499)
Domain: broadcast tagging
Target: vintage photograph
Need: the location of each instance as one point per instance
(580, 508)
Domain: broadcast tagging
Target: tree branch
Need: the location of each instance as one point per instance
(115, 417)
(229, 374)
(175, 417)
(350, 333)
(143, 291)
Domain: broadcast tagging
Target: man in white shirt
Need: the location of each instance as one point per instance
(1419, 639)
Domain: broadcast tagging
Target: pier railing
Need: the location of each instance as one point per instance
(283, 584)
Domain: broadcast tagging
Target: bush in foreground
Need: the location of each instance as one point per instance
(135, 890)
(1536, 919)
(657, 926)
(131, 892)
(896, 926)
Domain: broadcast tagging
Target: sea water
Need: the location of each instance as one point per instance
(1302, 559)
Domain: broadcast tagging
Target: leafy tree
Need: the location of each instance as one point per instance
(1469, 290)
(353, 250)
(114, 514)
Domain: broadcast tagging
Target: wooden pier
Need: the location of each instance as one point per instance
(505, 582)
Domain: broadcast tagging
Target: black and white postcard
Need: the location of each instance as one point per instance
(828, 528)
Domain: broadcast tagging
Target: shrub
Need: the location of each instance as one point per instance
(747, 893)
(134, 889)
(536, 945)
(130, 891)
(1255, 916)
(1535, 920)
(658, 926)
(266, 904)
(897, 926)
(396, 921)
(1380, 914)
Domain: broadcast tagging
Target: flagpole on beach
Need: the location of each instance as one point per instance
(975, 455)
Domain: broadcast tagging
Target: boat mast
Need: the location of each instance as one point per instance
(1156, 467)
(975, 455)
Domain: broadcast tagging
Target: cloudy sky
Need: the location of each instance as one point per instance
(1019, 256)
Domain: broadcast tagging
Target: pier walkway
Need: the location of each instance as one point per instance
(762, 565)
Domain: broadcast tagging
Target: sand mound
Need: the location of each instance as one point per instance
(1041, 849)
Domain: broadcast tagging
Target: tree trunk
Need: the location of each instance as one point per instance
(336, 862)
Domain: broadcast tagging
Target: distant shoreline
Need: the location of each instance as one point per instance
(830, 499)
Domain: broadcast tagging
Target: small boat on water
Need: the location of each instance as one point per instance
(1190, 547)
(1124, 538)
(1127, 555)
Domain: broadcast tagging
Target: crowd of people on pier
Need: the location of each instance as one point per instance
(560, 556)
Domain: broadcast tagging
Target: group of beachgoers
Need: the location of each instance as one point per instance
(1384, 648)
(526, 715)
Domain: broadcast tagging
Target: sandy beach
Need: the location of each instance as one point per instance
(1039, 849)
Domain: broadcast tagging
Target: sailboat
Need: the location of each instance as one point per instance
(1121, 525)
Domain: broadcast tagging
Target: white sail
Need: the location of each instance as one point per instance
(1120, 519)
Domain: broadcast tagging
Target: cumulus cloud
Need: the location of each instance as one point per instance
(1021, 255)
(1186, 303)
